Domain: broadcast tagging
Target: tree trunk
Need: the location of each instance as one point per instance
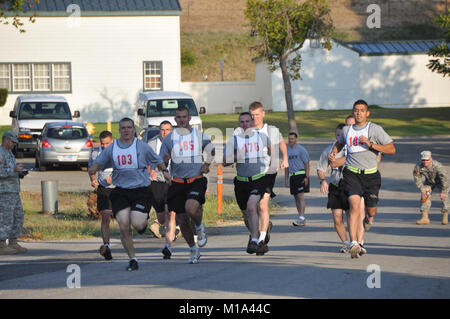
(288, 96)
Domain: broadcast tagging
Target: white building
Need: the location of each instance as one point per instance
(98, 54)
(389, 74)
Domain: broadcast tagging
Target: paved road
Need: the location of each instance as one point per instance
(302, 262)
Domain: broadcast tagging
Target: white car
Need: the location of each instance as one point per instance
(152, 108)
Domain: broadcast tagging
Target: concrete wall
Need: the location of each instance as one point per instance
(402, 81)
(222, 97)
(106, 54)
(329, 80)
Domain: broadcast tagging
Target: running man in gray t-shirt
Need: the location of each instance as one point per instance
(364, 141)
(132, 197)
(250, 150)
(297, 176)
(184, 147)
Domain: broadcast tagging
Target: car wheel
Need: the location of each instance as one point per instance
(42, 168)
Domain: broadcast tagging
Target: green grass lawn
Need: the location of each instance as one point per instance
(321, 124)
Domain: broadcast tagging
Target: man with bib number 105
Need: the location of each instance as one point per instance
(132, 197)
(184, 147)
(364, 141)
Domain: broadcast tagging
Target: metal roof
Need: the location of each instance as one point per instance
(392, 47)
(105, 7)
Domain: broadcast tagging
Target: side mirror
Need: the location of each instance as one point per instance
(12, 114)
(202, 110)
(140, 112)
(76, 114)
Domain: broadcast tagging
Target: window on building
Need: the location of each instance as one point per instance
(5, 78)
(41, 77)
(61, 77)
(153, 76)
(21, 77)
(36, 77)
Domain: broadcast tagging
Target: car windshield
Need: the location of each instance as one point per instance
(156, 108)
(44, 110)
(67, 132)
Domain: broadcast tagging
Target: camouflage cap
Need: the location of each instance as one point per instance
(425, 155)
(12, 136)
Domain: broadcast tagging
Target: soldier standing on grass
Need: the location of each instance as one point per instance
(11, 210)
(429, 174)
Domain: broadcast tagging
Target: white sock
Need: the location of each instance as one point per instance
(133, 258)
(256, 240)
(262, 236)
(301, 217)
(106, 245)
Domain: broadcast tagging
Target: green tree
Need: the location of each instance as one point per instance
(16, 9)
(441, 52)
(281, 28)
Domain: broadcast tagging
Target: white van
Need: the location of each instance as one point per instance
(154, 107)
(30, 114)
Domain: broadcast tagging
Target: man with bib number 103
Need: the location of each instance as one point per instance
(132, 197)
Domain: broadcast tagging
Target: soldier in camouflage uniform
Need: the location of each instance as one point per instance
(11, 210)
(429, 174)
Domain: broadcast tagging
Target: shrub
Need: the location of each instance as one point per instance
(3, 96)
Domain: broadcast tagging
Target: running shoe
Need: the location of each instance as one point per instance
(355, 250)
(167, 252)
(267, 238)
(345, 248)
(262, 248)
(105, 251)
(363, 250)
(195, 256)
(299, 222)
(133, 265)
(368, 222)
(252, 247)
(201, 236)
(154, 228)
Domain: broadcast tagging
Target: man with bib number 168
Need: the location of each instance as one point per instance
(364, 141)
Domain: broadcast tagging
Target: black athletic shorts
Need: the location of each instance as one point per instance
(365, 185)
(179, 193)
(138, 199)
(297, 184)
(271, 178)
(103, 201)
(336, 197)
(243, 190)
(159, 190)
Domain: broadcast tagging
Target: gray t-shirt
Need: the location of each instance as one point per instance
(155, 143)
(298, 158)
(103, 174)
(186, 151)
(129, 163)
(275, 138)
(322, 164)
(368, 158)
(251, 153)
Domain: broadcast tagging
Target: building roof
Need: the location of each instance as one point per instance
(105, 7)
(392, 47)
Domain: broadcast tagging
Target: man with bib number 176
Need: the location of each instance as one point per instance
(364, 141)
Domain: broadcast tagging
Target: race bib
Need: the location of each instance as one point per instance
(125, 158)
